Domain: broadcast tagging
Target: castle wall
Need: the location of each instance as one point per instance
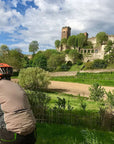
(97, 54)
(111, 37)
(89, 54)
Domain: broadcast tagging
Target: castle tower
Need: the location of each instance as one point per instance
(86, 34)
(66, 32)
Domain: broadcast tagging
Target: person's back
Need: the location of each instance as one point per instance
(15, 113)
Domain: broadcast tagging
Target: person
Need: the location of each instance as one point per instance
(17, 122)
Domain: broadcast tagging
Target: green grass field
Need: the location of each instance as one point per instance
(74, 101)
(104, 79)
(65, 134)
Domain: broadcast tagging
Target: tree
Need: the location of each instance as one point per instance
(88, 45)
(101, 37)
(57, 43)
(108, 47)
(75, 56)
(64, 41)
(111, 57)
(82, 40)
(109, 54)
(96, 92)
(40, 60)
(110, 96)
(15, 59)
(55, 60)
(4, 49)
(49, 52)
(33, 47)
(71, 42)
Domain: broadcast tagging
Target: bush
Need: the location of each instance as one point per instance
(40, 60)
(110, 96)
(83, 103)
(65, 67)
(39, 101)
(98, 63)
(88, 65)
(96, 92)
(34, 78)
(79, 62)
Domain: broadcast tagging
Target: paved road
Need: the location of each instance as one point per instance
(73, 88)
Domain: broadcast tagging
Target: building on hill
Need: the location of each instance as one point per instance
(97, 52)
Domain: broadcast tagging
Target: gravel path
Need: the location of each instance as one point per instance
(73, 88)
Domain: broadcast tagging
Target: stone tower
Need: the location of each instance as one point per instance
(86, 34)
(66, 32)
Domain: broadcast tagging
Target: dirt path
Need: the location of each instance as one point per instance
(73, 88)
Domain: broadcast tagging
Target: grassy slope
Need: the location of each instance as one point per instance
(62, 134)
(76, 67)
(104, 79)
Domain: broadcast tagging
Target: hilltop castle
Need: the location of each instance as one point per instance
(89, 54)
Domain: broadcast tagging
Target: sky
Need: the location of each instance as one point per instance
(23, 21)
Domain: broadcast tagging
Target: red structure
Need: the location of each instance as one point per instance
(5, 70)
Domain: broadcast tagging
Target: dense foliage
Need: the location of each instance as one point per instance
(96, 92)
(34, 78)
(33, 46)
(39, 101)
(64, 41)
(15, 58)
(96, 64)
(39, 60)
(75, 56)
(101, 37)
(55, 60)
(57, 43)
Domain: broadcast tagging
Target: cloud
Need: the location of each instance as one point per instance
(45, 22)
(14, 2)
(10, 18)
(24, 1)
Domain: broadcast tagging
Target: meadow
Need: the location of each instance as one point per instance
(66, 134)
(104, 79)
(74, 101)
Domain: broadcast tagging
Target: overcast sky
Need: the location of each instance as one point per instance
(22, 21)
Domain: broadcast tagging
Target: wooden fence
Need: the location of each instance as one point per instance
(95, 120)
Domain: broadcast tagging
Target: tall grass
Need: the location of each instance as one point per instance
(62, 134)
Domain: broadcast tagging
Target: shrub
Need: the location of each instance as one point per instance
(96, 92)
(40, 60)
(110, 96)
(83, 103)
(39, 101)
(61, 103)
(79, 62)
(65, 67)
(55, 60)
(88, 65)
(98, 63)
(34, 78)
